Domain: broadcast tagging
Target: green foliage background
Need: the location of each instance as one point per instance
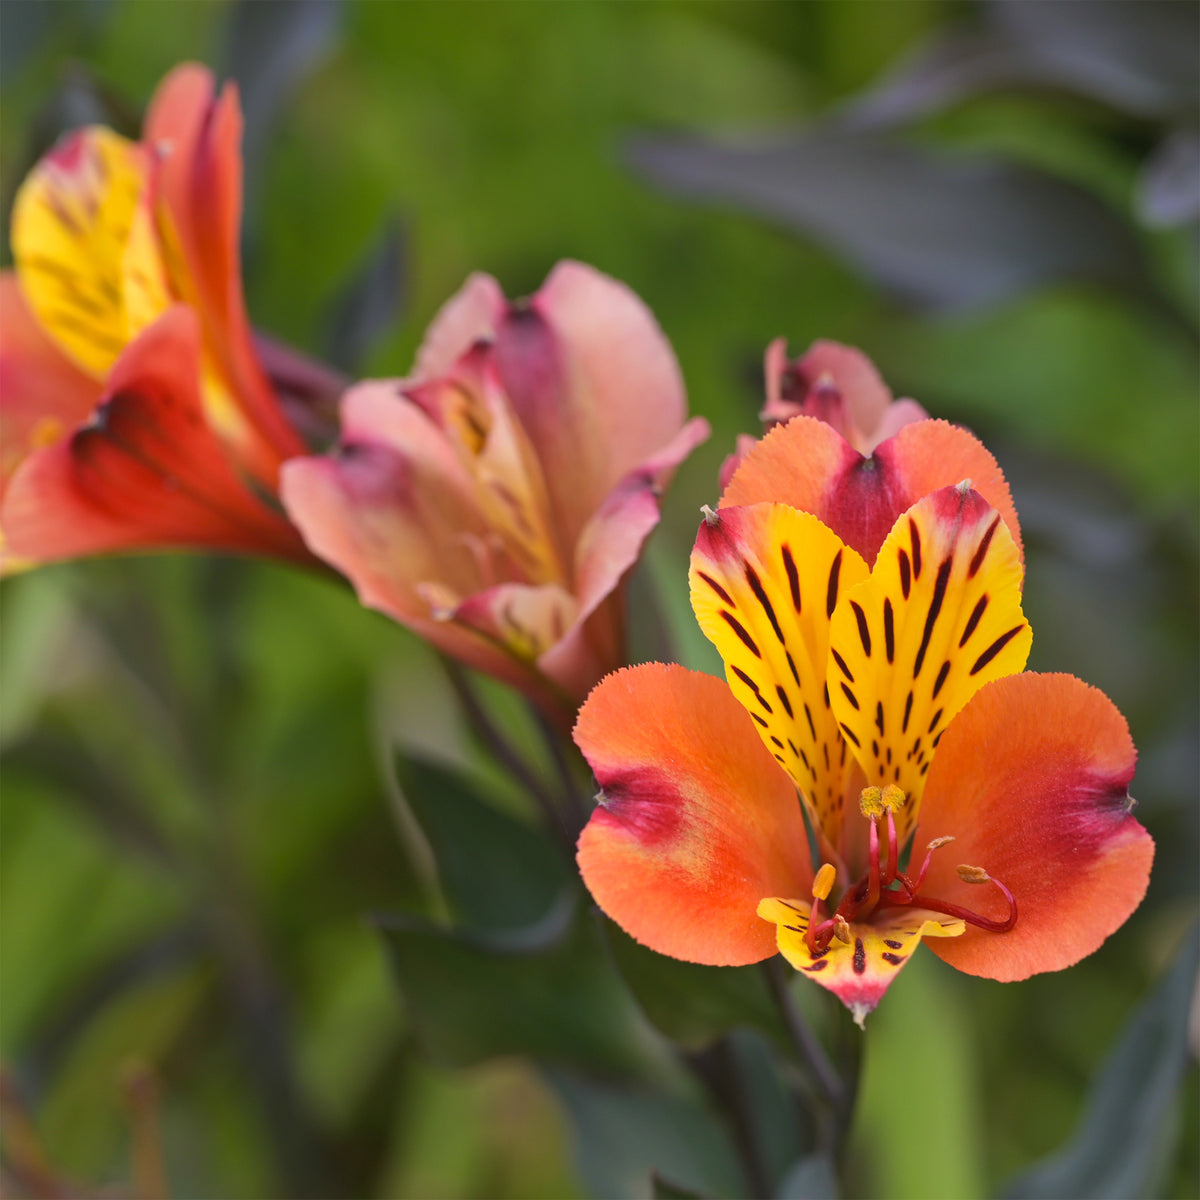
(195, 816)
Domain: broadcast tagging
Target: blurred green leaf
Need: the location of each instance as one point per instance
(812, 1177)
(469, 1002)
(664, 1189)
(941, 232)
(1124, 1139)
(627, 1136)
(690, 1003)
(371, 303)
(496, 873)
(270, 48)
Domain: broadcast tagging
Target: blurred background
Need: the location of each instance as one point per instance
(202, 818)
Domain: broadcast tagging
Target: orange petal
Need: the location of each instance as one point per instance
(939, 617)
(764, 581)
(145, 472)
(696, 822)
(1031, 779)
(859, 971)
(810, 466)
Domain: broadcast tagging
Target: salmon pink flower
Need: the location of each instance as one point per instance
(494, 501)
(890, 698)
(135, 410)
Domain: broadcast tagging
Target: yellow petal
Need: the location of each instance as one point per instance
(764, 580)
(860, 970)
(71, 222)
(939, 617)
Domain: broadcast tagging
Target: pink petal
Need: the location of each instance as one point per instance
(594, 382)
(470, 315)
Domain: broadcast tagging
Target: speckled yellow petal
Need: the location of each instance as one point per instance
(764, 581)
(71, 222)
(859, 971)
(939, 617)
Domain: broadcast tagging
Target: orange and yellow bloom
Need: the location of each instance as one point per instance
(868, 611)
(494, 501)
(135, 410)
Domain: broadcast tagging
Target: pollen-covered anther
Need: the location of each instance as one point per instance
(823, 883)
(939, 842)
(871, 802)
(841, 928)
(710, 518)
(973, 874)
(893, 798)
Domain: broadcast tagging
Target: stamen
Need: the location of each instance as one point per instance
(841, 928)
(823, 883)
(972, 874)
(893, 798)
(914, 886)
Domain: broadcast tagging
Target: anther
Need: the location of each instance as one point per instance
(893, 798)
(841, 928)
(938, 842)
(973, 874)
(710, 517)
(823, 883)
(870, 802)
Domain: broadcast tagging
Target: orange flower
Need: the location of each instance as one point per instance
(495, 501)
(135, 411)
(879, 677)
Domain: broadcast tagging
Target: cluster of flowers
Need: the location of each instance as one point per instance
(861, 576)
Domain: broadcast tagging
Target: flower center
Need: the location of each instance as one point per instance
(885, 886)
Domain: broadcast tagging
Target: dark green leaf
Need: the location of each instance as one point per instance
(470, 1002)
(371, 303)
(940, 232)
(1169, 190)
(665, 1189)
(624, 1135)
(270, 49)
(496, 873)
(692, 1004)
(813, 1177)
(1119, 1147)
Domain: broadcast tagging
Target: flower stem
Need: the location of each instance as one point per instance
(502, 750)
(804, 1041)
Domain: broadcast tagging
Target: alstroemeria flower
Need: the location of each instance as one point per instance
(135, 410)
(839, 385)
(832, 383)
(494, 501)
(889, 698)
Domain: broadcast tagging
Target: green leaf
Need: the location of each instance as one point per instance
(812, 1177)
(1120, 1144)
(664, 1189)
(692, 1004)
(496, 873)
(473, 997)
(625, 1135)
